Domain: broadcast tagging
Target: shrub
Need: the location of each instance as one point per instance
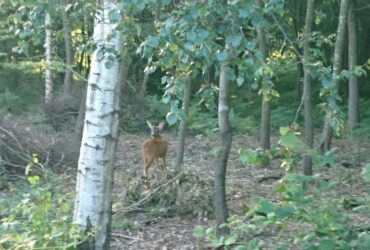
(38, 217)
(305, 214)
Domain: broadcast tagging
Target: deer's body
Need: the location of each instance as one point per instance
(154, 148)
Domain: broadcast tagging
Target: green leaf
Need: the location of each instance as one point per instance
(266, 207)
(329, 158)
(171, 118)
(327, 83)
(366, 172)
(250, 45)
(326, 244)
(191, 35)
(347, 74)
(174, 104)
(188, 46)
(230, 240)
(199, 232)
(244, 157)
(253, 244)
(114, 16)
(221, 56)
(202, 35)
(284, 130)
(233, 2)
(290, 140)
(242, 248)
(33, 180)
(240, 81)
(234, 40)
(153, 41)
(244, 13)
(283, 212)
(249, 61)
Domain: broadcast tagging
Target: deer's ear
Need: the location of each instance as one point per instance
(149, 124)
(161, 126)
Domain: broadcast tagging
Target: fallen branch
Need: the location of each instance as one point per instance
(125, 236)
(148, 197)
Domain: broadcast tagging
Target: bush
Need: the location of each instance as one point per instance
(305, 214)
(38, 217)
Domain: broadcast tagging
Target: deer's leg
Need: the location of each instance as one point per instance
(164, 163)
(147, 165)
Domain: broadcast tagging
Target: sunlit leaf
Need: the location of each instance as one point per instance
(366, 172)
(171, 118)
(284, 130)
(221, 56)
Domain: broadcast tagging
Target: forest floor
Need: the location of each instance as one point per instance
(139, 224)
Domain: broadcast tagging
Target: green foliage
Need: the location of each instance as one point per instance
(366, 172)
(39, 218)
(133, 116)
(282, 116)
(291, 149)
(320, 220)
(122, 224)
(201, 121)
(19, 86)
(247, 125)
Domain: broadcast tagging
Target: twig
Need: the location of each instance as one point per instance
(148, 197)
(265, 178)
(14, 138)
(126, 236)
(287, 37)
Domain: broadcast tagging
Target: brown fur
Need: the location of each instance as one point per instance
(154, 148)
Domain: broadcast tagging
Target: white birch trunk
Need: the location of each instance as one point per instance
(94, 185)
(49, 86)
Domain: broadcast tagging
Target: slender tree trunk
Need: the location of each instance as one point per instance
(307, 93)
(141, 93)
(300, 71)
(69, 55)
(142, 86)
(297, 14)
(265, 110)
(183, 126)
(93, 204)
(81, 115)
(49, 84)
(220, 203)
(353, 108)
(124, 70)
(337, 66)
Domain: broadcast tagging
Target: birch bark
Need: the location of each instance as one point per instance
(93, 203)
(49, 85)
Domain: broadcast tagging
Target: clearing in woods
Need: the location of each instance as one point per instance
(140, 223)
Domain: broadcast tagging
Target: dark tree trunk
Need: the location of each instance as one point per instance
(297, 10)
(307, 92)
(220, 204)
(183, 126)
(68, 77)
(81, 115)
(353, 108)
(265, 110)
(337, 66)
(124, 69)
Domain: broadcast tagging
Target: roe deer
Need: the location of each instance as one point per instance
(154, 148)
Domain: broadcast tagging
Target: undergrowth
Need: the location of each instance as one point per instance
(37, 214)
